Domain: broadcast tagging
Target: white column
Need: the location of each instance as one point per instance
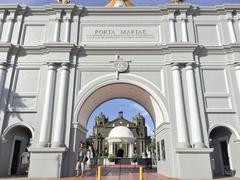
(10, 29)
(196, 130)
(114, 147)
(2, 14)
(57, 30)
(231, 28)
(3, 74)
(182, 132)
(110, 148)
(67, 29)
(1, 27)
(46, 124)
(172, 29)
(59, 131)
(237, 69)
(130, 150)
(238, 23)
(184, 28)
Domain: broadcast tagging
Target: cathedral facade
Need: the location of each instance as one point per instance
(120, 137)
(181, 62)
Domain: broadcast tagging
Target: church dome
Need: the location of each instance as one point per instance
(120, 132)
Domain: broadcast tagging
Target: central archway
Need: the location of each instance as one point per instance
(131, 87)
(109, 87)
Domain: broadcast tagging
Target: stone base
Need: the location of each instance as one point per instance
(194, 163)
(46, 162)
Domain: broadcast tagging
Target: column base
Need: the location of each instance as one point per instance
(43, 144)
(181, 145)
(46, 162)
(198, 145)
(194, 163)
(58, 145)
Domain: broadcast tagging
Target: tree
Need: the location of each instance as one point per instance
(152, 145)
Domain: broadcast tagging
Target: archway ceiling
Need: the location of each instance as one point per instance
(120, 90)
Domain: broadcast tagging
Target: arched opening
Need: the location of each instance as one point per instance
(220, 139)
(108, 87)
(17, 138)
(150, 101)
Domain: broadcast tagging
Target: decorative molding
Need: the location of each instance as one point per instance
(194, 150)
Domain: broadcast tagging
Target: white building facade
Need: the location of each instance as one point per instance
(181, 62)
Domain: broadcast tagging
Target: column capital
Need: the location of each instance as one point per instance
(236, 65)
(66, 65)
(175, 66)
(183, 18)
(183, 15)
(4, 65)
(171, 16)
(11, 19)
(67, 19)
(172, 19)
(52, 65)
(229, 16)
(191, 65)
(57, 19)
(238, 15)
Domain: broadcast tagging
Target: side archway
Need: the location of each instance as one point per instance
(16, 138)
(15, 125)
(223, 138)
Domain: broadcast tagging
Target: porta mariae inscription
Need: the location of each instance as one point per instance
(120, 33)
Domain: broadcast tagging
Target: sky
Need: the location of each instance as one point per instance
(130, 109)
(136, 2)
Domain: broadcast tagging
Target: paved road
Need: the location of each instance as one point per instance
(113, 173)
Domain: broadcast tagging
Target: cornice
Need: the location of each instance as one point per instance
(88, 10)
(140, 10)
(53, 8)
(225, 49)
(142, 49)
(6, 47)
(48, 48)
(10, 6)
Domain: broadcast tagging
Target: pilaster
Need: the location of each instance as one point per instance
(58, 20)
(184, 27)
(196, 129)
(172, 27)
(46, 124)
(182, 132)
(230, 27)
(59, 131)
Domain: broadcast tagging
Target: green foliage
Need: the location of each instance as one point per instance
(135, 158)
(105, 153)
(111, 157)
(89, 143)
(152, 145)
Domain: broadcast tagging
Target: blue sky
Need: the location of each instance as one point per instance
(136, 2)
(129, 108)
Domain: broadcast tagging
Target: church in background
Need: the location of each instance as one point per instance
(120, 137)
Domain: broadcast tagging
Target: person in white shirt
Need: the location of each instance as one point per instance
(25, 161)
